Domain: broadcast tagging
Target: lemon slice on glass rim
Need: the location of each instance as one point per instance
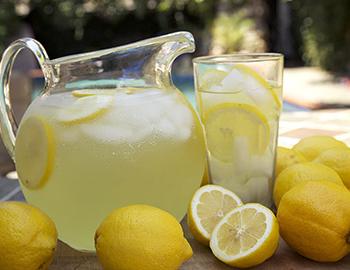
(227, 125)
(34, 152)
(246, 236)
(208, 206)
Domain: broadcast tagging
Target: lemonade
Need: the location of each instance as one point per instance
(97, 150)
(240, 111)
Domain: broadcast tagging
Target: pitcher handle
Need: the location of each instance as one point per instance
(8, 124)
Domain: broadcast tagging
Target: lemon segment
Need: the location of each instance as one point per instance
(246, 236)
(85, 109)
(34, 152)
(93, 92)
(228, 123)
(208, 206)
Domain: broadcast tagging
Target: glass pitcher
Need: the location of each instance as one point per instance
(109, 129)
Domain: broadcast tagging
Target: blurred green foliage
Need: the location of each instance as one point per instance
(325, 33)
(70, 26)
(236, 32)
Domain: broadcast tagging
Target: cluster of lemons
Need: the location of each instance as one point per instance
(312, 197)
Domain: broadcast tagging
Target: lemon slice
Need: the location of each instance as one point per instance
(227, 125)
(85, 109)
(246, 236)
(259, 89)
(208, 206)
(93, 92)
(34, 152)
(243, 79)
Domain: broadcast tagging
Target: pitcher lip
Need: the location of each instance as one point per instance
(237, 58)
(96, 54)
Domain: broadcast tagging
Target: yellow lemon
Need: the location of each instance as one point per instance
(230, 124)
(85, 109)
(339, 160)
(208, 206)
(311, 147)
(302, 172)
(287, 157)
(314, 220)
(141, 237)
(246, 236)
(28, 237)
(34, 152)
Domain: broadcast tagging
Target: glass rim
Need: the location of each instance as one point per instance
(237, 58)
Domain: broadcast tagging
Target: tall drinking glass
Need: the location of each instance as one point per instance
(239, 98)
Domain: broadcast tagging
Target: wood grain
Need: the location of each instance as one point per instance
(284, 259)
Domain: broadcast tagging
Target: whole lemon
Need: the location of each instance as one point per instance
(311, 147)
(287, 157)
(339, 160)
(314, 220)
(28, 237)
(302, 172)
(141, 237)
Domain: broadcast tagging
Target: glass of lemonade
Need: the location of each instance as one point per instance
(239, 98)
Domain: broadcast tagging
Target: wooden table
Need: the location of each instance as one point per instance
(284, 259)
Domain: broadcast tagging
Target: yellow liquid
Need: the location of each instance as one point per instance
(147, 148)
(249, 174)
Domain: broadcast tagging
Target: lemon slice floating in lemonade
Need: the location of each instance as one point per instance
(226, 124)
(34, 152)
(246, 236)
(85, 109)
(208, 206)
(244, 81)
(93, 92)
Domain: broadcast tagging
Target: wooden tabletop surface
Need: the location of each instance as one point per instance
(284, 259)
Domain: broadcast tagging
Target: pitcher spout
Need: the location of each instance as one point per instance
(145, 63)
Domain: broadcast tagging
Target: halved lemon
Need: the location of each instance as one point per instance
(34, 152)
(208, 206)
(229, 124)
(93, 92)
(246, 236)
(85, 109)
